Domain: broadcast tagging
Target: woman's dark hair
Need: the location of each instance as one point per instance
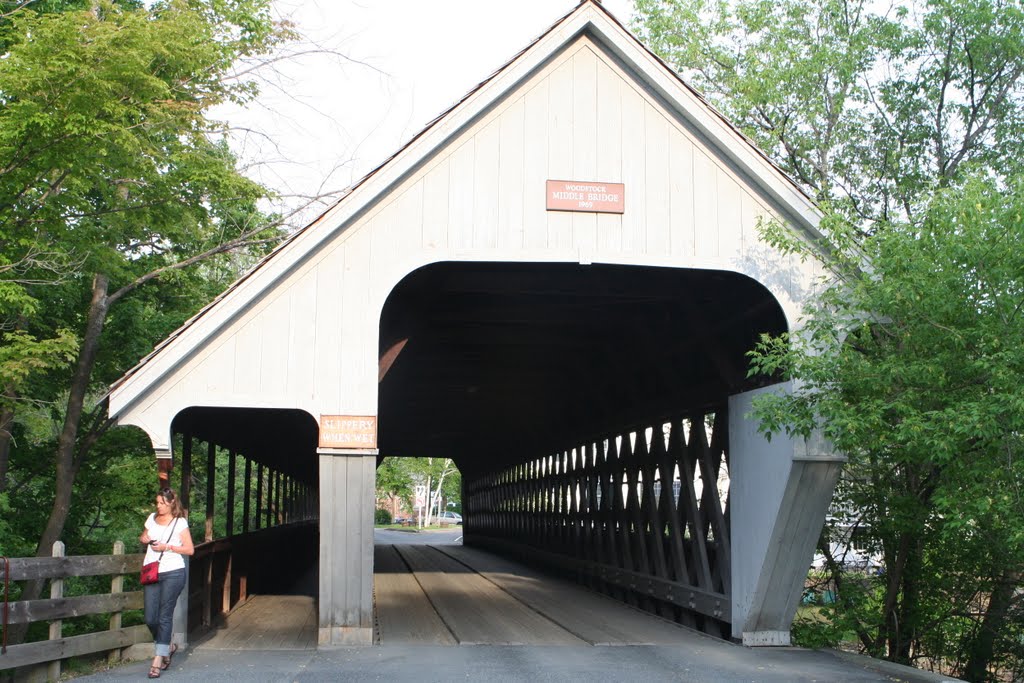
(171, 498)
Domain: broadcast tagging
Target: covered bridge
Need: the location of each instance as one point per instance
(554, 284)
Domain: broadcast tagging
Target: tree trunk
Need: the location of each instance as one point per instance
(983, 648)
(67, 466)
(895, 575)
(6, 423)
(67, 463)
(901, 631)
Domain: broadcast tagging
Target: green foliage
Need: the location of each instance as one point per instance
(110, 166)
(871, 107)
(905, 123)
(397, 478)
(912, 369)
(381, 517)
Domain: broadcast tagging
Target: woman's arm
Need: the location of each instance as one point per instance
(144, 538)
(186, 547)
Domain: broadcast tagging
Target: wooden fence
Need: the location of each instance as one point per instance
(58, 607)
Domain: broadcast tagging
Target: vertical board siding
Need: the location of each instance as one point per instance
(560, 150)
(219, 373)
(358, 330)
(681, 196)
(302, 326)
(248, 359)
(273, 366)
(585, 143)
(435, 208)
(330, 309)
(328, 530)
(608, 96)
(705, 208)
(535, 228)
(482, 197)
(511, 175)
(656, 183)
(730, 228)
(460, 197)
(346, 488)
(750, 214)
(634, 171)
(486, 188)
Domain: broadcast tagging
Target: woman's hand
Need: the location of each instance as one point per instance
(161, 547)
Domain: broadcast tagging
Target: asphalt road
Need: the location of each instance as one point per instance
(415, 537)
(651, 664)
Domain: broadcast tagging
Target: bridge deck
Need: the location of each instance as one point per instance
(452, 595)
(449, 594)
(267, 622)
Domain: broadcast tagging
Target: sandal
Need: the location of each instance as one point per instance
(167, 660)
(154, 672)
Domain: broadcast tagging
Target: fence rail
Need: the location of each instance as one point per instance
(58, 607)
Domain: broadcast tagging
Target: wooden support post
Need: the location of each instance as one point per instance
(208, 591)
(56, 626)
(185, 490)
(269, 511)
(259, 496)
(278, 487)
(247, 493)
(229, 522)
(289, 499)
(211, 473)
(345, 607)
(116, 586)
(225, 603)
(229, 531)
(163, 468)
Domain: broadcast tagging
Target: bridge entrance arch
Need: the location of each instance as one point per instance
(587, 408)
(557, 270)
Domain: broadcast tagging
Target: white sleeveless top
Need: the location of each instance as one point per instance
(159, 532)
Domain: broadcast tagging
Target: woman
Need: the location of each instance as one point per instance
(168, 539)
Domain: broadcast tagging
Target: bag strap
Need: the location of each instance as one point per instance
(168, 539)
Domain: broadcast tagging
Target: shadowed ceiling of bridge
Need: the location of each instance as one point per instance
(508, 362)
(284, 439)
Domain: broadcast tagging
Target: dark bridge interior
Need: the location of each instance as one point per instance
(583, 404)
(499, 362)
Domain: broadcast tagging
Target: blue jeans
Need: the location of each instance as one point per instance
(160, 599)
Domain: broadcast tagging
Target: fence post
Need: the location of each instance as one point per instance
(116, 586)
(56, 592)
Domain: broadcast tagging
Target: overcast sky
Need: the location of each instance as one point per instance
(324, 120)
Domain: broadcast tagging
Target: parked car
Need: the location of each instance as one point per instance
(448, 517)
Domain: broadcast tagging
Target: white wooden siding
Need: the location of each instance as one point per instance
(311, 342)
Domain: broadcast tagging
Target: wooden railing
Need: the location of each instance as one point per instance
(222, 574)
(58, 607)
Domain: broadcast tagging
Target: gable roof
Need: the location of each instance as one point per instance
(589, 17)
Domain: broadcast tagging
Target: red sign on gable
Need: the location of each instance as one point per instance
(573, 195)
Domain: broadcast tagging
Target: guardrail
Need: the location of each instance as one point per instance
(58, 607)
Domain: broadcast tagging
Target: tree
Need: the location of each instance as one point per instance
(912, 368)
(394, 482)
(870, 112)
(113, 183)
(906, 127)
